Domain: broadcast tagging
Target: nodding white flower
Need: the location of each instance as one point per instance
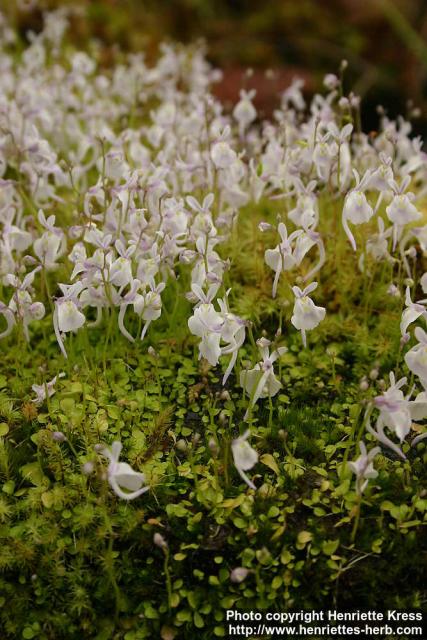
(357, 209)
(160, 541)
(47, 390)
(306, 314)
(244, 456)
(122, 476)
(363, 467)
(261, 382)
(413, 311)
(244, 111)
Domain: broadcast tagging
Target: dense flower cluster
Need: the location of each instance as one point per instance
(123, 181)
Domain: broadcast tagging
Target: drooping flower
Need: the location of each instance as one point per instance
(363, 467)
(43, 391)
(121, 475)
(244, 456)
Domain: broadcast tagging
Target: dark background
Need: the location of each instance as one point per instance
(384, 41)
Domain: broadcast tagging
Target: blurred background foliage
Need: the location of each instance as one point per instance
(384, 41)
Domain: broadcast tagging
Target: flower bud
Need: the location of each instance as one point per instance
(88, 468)
(404, 339)
(239, 574)
(182, 445)
(331, 81)
(213, 447)
(222, 418)
(393, 291)
(265, 226)
(159, 540)
(58, 436)
(364, 384)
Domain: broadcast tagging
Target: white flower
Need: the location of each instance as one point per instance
(66, 315)
(121, 272)
(8, 315)
(244, 457)
(357, 209)
(45, 390)
(397, 411)
(223, 155)
(416, 358)
(21, 304)
(261, 382)
(401, 211)
(281, 258)
(413, 311)
(377, 244)
(306, 314)
(244, 111)
(212, 327)
(363, 467)
(69, 317)
(206, 323)
(122, 476)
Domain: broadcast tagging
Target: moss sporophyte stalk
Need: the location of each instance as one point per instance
(213, 348)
